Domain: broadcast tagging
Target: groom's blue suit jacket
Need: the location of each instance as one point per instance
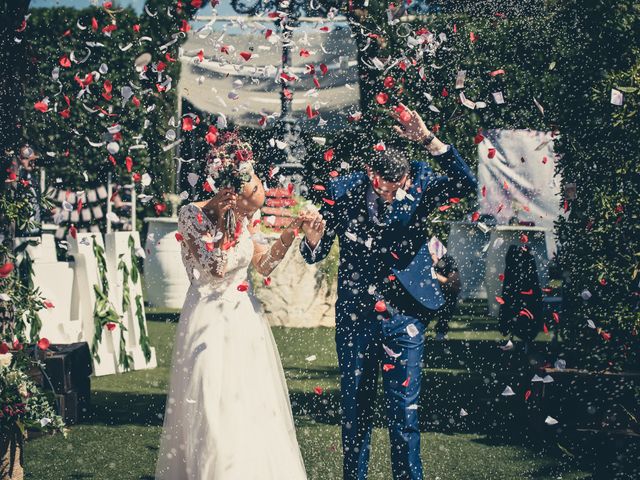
(370, 253)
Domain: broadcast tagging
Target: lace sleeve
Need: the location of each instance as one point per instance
(200, 240)
(266, 258)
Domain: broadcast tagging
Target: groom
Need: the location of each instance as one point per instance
(387, 290)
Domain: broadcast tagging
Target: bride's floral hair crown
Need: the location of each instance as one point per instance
(230, 161)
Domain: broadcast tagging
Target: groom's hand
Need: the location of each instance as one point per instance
(413, 128)
(313, 230)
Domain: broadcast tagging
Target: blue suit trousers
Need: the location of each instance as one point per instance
(362, 358)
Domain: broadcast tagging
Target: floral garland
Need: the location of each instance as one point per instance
(230, 163)
(23, 406)
(104, 314)
(134, 274)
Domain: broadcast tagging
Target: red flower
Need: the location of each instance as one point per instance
(41, 106)
(389, 82)
(187, 124)
(380, 306)
(212, 135)
(111, 326)
(382, 98)
(6, 269)
(243, 155)
(159, 208)
(4, 348)
(43, 344)
(185, 27)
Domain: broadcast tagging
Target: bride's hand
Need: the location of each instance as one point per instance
(222, 202)
(298, 222)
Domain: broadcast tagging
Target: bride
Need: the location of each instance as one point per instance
(228, 415)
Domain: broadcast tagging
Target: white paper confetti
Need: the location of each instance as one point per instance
(508, 392)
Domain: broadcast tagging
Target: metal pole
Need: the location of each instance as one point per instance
(109, 194)
(285, 35)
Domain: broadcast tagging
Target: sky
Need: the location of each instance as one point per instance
(223, 9)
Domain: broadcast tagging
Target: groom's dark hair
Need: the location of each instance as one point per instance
(391, 164)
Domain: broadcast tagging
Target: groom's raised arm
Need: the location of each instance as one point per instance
(312, 251)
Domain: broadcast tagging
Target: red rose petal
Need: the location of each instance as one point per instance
(380, 306)
(328, 155)
(43, 343)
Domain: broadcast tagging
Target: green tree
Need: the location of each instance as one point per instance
(597, 49)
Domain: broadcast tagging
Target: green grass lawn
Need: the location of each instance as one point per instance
(120, 439)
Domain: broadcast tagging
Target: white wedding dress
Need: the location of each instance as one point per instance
(228, 415)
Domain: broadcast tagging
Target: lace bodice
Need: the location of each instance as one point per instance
(196, 228)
